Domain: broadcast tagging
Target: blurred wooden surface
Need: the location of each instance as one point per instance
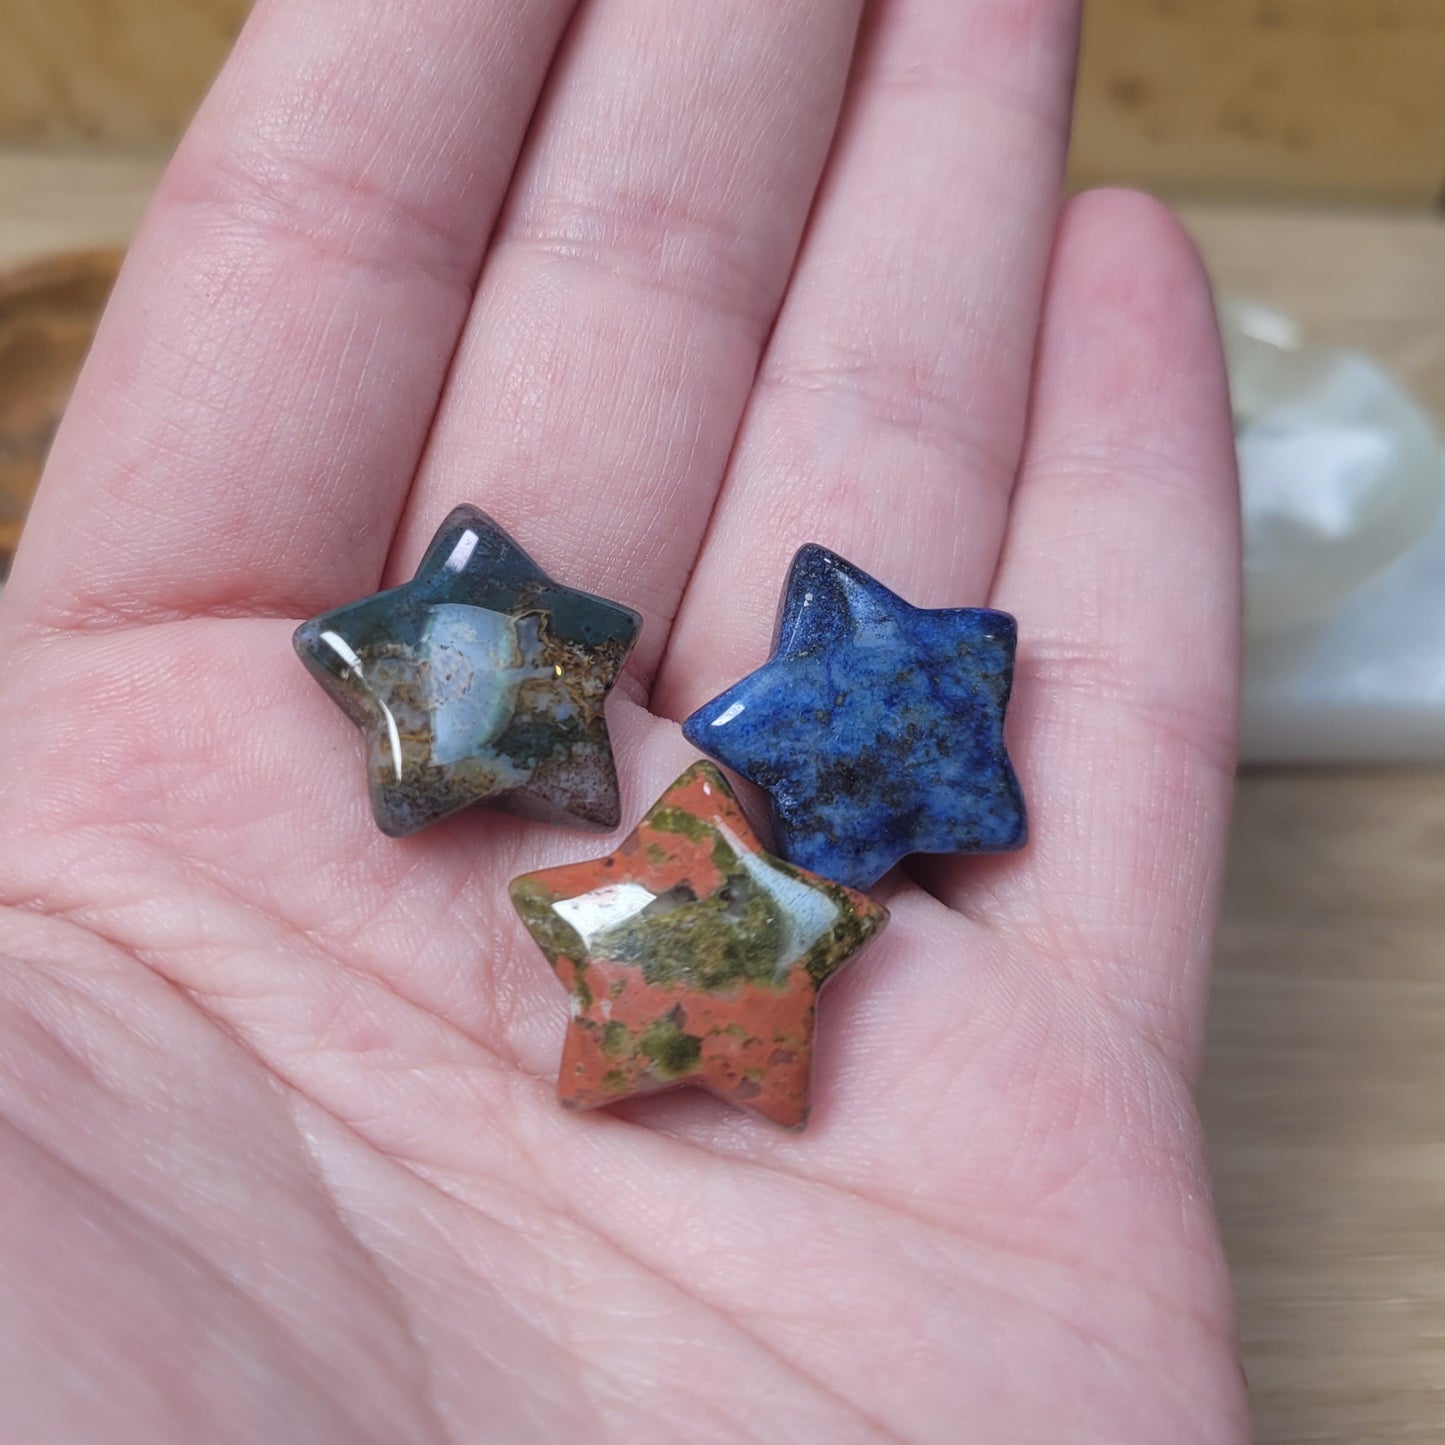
(1324, 1091)
(1265, 99)
(118, 73)
(1325, 1086)
(1375, 281)
(69, 202)
(1274, 99)
(1324, 1101)
(48, 312)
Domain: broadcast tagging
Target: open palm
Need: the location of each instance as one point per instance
(669, 287)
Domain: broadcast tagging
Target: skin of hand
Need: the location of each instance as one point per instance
(669, 287)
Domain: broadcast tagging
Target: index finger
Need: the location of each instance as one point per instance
(258, 395)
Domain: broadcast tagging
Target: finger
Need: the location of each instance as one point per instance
(890, 407)
(636, 273)
(1122, 565)
(259, 392)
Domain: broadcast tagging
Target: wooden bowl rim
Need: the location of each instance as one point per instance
(46, 272)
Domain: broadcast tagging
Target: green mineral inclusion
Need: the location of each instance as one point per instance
(671, 1052)
(555, 936)
(741, 932)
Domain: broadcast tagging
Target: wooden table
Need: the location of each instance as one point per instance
(1325, 1087)
(1324, 1099)
(1324, 1090)
(1327, 100)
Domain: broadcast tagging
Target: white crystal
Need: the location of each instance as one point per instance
(1339, 468)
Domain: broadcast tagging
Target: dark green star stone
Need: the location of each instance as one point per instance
(479, 681)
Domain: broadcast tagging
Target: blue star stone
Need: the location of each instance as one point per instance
(479, 681)
(876, 727)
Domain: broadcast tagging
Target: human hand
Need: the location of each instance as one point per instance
(282, 1155)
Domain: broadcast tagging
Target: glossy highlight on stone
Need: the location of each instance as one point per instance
(479, 681)
(876, 727)
(692, 957)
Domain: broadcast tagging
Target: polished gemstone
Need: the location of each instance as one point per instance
(876, 727)
(479, 681)
(693, 957)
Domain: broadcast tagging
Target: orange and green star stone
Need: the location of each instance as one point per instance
(692, 957)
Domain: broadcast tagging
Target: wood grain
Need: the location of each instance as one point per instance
(1324, 1092)
(69, 202)
(48, 312)
(1265, 99)
(1275, 99)
(1324, 1101)
(114, 72)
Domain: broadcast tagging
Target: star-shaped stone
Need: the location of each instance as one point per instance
(479, 681)
(692, 957)
(876, 728)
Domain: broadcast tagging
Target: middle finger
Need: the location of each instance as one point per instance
(635, 275)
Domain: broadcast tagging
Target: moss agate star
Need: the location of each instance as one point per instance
(479, 681)
(692, 957)
(876, 727)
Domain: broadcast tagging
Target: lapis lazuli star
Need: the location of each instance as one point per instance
(876, 728)
(479, 681)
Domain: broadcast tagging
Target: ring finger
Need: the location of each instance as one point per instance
(890, 408)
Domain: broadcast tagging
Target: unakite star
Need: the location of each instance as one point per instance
(692, 957)
(479, 681)
(876, 728)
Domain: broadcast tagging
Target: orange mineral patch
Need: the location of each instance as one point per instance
(750, 1045)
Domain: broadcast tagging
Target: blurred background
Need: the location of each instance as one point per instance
(1304, 142)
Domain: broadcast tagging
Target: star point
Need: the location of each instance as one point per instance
(692, 958)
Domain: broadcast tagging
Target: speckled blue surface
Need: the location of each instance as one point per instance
(876, 728)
